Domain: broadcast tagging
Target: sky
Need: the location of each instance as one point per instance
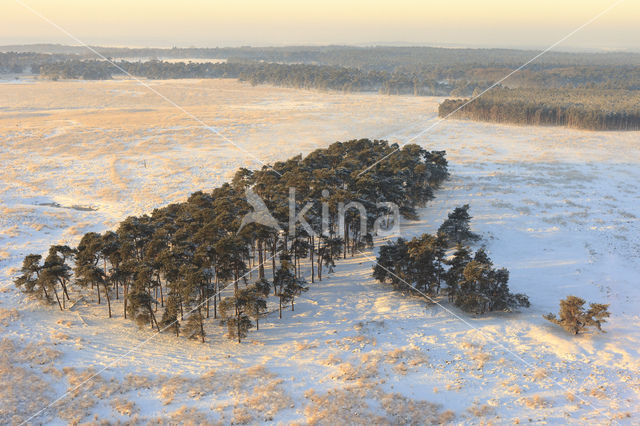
(202, 23)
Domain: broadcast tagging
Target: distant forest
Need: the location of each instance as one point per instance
(576, 108)
(378, 58)
(597, 91)
(301, 76)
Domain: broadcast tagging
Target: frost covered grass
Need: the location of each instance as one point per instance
(555, 206)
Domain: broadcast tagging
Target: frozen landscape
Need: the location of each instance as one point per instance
(557, 207)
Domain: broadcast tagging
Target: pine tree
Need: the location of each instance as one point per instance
(294, 288)
(456, 227)
(455, 273)
(55, 272)
(574, 318)
(28, 280)
(169, 319)
(234, 313)
(485, 289)
(255, 301)
(193, 328)
(87, 259)
(140, 302)
(426, 268)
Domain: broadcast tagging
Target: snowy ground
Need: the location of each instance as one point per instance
(557, 207)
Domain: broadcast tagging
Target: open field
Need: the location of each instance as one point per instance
(557, 207)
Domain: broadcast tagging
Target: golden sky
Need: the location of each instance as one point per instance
(512, 23)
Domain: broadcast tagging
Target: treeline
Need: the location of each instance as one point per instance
(457, 79)
(470, 281)
(17, 63)
(378, 58)
(582, 109)
(299, 76)
(407, 69)
(169, 267)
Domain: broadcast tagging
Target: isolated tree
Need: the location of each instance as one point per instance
(574, 318)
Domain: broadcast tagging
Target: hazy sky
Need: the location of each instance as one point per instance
(510, 23)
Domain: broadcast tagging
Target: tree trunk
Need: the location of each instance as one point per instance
(98, 288)
(207, 297)
(125, 296)
(215, 298)
(64, 289)
(280, 308)
(153, 317)
(249, 258)
(106, 293)
(311, 258)
(273, 256)
(346, 240)
(235, 292)
(292, 304)
(201, 325)
(260, 261)
(60, 305)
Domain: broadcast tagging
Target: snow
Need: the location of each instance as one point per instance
(557, 207)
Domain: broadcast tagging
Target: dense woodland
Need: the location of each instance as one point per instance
(600, 91)
(301, 76)
(377, 58)
(456, 80)
(583, 109)
(170, 267)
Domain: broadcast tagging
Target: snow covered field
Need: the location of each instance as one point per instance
(557, 207)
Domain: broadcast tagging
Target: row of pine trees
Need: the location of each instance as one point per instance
(170, 267)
